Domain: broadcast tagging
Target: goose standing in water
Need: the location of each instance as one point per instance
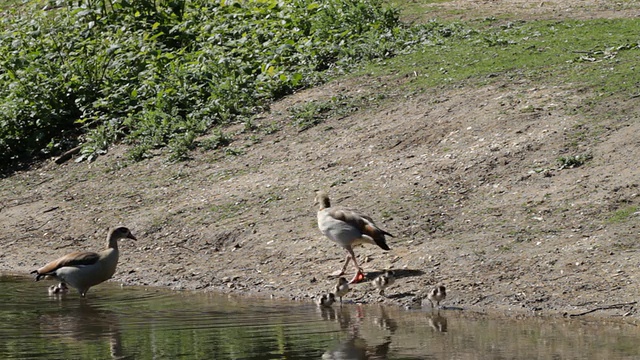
(82, 270)
(348, 228)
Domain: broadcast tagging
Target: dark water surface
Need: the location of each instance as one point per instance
(139, 323)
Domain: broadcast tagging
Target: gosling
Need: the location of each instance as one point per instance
(384, 281)
(436, 295)
(59, 289)
(341, 289)
(326, 300)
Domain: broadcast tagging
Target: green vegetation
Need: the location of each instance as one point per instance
(9, 4)
(315, 112)
(160, 75)
(623, 214)
(569, 162)
(227, 210)
(599, 54)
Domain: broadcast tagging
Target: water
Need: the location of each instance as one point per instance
(139, 323)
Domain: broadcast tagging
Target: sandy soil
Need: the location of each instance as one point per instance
(467, 179)
(526, 9)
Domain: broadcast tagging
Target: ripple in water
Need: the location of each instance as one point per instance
(148, 323)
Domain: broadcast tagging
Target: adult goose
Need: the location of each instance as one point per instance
(348, 228)
(82, 270)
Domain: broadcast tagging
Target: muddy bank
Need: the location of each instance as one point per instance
(467, 181)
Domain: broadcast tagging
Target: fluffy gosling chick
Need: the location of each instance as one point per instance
(436, 295)
(326, 300)
(61, 288)
(384, 281)
(341, 289)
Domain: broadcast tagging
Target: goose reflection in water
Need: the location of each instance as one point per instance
(82, 322)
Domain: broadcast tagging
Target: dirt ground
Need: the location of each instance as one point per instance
(526, 9)
(467, 179)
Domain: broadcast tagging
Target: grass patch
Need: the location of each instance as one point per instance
(623, 215)
(599, 54)
(217, 140)
(227, 210)
(315, 112)
(19, 5)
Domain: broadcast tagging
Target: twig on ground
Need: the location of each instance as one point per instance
(607, 307)
(68, 155)
(184, 247)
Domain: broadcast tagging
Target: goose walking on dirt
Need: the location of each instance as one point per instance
(82, 270)
(348, 228)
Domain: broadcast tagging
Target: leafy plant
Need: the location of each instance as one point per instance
(271, 128)
(157, 74)
(569, 162)
(218, 140)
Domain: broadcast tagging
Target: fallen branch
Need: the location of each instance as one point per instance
(67, 155)
(51, 209)
(608, 307)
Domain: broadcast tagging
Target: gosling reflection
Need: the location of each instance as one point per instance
(357, 348)
(82, 322)
(437, 322)
(327, 313)
(385, 322)
(341, 315)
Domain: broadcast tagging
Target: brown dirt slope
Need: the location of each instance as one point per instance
(466, 178)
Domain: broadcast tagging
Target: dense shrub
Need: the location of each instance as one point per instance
(158, 73)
